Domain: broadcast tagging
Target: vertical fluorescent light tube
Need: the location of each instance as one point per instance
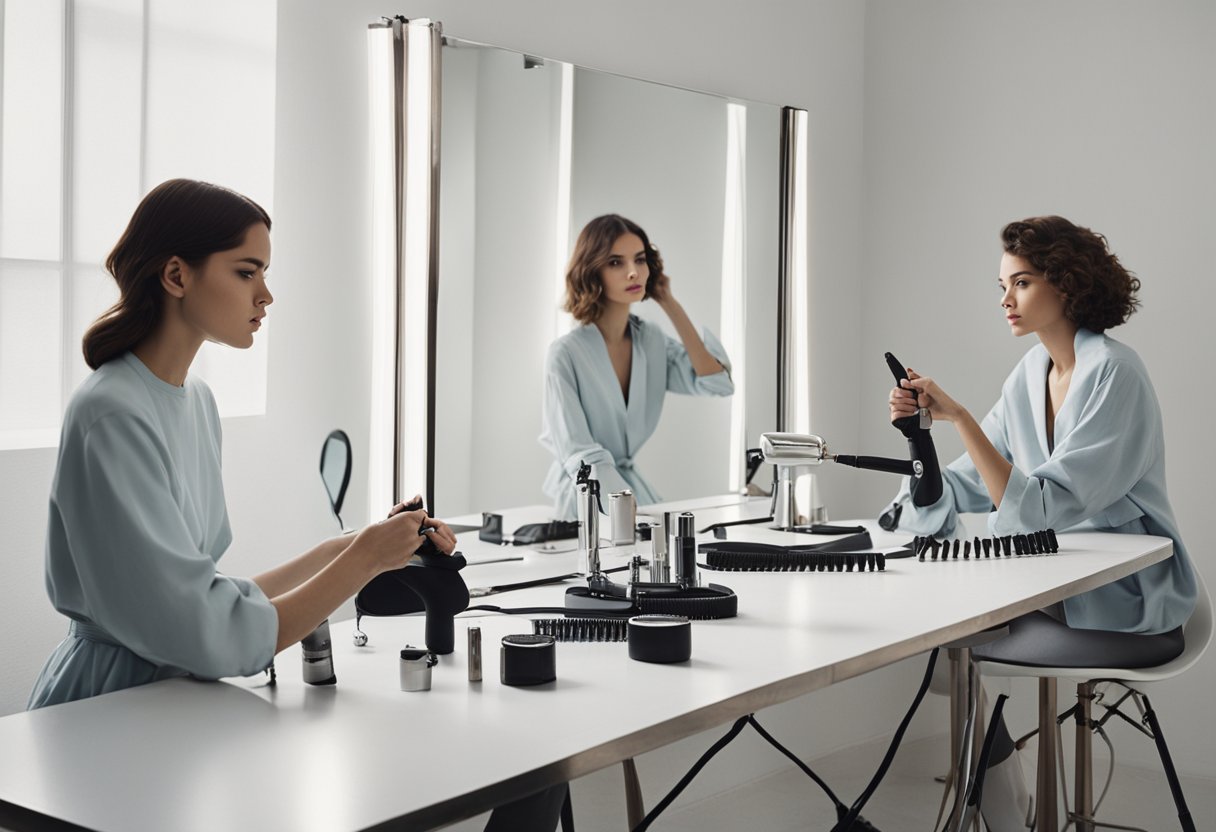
(793, 353)
(402, 72)
(384, 45)
(806, 492)
(801, 285)
(563, 322)
(415, 293)
(734, 284)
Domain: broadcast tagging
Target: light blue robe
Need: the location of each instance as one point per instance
(137, 524)
(1105, 473)
(585, 417)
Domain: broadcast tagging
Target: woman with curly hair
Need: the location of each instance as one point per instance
(605, 381)
(1075, 441)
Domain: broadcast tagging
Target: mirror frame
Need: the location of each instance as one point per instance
(406, 107)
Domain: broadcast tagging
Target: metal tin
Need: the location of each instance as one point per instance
(414, 668)
(317, 655)
(622, 517)
(474, 654)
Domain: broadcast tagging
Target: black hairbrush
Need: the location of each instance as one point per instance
(582, 629)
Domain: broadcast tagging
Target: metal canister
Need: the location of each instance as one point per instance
(474, 654)
(660, 564)
(685, 552)
(318, 656)
(622, 517)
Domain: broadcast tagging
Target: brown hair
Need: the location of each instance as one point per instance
(1098, 291)
(584, 288)
(178, 218)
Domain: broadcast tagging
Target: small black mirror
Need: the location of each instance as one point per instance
(335, 469)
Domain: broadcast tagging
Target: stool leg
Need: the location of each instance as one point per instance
(965, 703)
(1084, 785)
(635, 811)
(1047, 818)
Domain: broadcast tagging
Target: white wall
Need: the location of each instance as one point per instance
(981, 113)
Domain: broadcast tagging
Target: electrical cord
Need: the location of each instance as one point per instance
(846, 823)
(849, 818)
(589, 613)
(739, 725)
(859, 825)
(976, 791)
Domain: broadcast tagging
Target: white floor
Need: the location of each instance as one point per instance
(907, 800)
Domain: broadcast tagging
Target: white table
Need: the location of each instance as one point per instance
(187, 755)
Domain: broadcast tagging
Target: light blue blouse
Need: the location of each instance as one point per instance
(137, 524)
(1105, 473)
(586, 419)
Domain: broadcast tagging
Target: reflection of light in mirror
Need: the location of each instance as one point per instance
(801, 358)
(561, 240)
(417, 223)
(734, 280)
(800, 362)
(381, 94)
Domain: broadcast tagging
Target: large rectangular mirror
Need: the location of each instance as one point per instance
(531, 150)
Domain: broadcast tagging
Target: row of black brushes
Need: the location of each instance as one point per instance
(795, 561)
(1010, 546)
(582, 629)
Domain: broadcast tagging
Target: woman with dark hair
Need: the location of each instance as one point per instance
(1076, 441)
(605, 381)
(137, 516)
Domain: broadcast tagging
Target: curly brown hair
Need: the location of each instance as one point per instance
(584, 288)
(1098, 291)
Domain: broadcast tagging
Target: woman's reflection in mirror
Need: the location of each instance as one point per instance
(606, 380)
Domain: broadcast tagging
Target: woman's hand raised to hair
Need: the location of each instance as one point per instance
(921, 391)
(660, 290)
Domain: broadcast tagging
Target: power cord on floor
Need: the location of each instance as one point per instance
(739, 725)
(849, 817)
(846, 823)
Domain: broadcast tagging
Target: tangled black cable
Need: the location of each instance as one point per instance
(849, 817)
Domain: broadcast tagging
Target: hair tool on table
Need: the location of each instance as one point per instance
(662, 639)
(431, 582)
(926, 483)
(792, 454)
(739, 556)
(529, 534)
(1010, 546)
(683, 596)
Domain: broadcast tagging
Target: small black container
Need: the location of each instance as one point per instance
(660, 638)
(527, 659)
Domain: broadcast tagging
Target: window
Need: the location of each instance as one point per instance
(100, 100)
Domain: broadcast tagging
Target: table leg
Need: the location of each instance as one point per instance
(1084, 770)
(635, 810)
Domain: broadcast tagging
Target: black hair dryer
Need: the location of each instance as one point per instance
(432, 582)
(926, 484)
